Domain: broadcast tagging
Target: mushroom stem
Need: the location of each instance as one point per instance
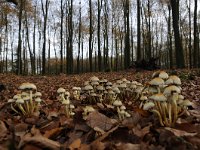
(14, 109)
(170, 113)
(159, 116)
(22, 109)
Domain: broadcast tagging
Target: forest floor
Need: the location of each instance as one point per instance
(102, 129)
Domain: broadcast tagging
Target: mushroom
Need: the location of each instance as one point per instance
(148, 105)
(87, 110)
(157, 82)
(19, 103)
(38, 101)
(161, 106)
(61, 91)
(142, 99)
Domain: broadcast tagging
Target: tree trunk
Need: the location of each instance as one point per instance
(178, 43)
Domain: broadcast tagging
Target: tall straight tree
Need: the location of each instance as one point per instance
(138, 32)
(45, 9)
(19, 48)
(79, 38)
(98, 33)
(91, 34)
(70, 37)
(195, 47)
(61, 35)
(127, 33)
(178, 43)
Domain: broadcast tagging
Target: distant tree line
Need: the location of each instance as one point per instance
(67, 36)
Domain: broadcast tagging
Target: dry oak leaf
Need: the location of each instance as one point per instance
(52, 132)
(180, 132)
(3, 130)
(76, 144)
(127, 146)
(40, 141)
(96, 119)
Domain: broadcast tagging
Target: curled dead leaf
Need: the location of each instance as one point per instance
(180, 132)
(3, 130)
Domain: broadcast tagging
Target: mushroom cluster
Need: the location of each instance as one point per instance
(28, 101)
(64, 97)
(96, 90)
(164, 98)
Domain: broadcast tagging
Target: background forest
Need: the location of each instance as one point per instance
(73, 36)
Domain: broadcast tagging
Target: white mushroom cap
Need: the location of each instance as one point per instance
(143, 98)
(93, 94)
(26, 98)
(127, 115)
(89, 109)
(176, 80)
(27, 86)
(100, 88)
(116, 89)
(78, 88)
(163, 75)
(74, 88)
(38, 100)
(123, 107)
(186, 103)
(170, 89)
(94, 79)
(67, 93)
(72, 113)
(156, 74)
(109, 84)
(94, 83)
(108, 87)
(123, 85)
(134, 82)
(38, 94)
(156, 81)
(24, 94)
(124, 79)
(158, 97)
(148, 105)
(61, 90)
(20, 101)
(103, 80)
(180, 97)
(153, 90)
(11, 100)
(169, 81)
(66, 102)
(71, 106)
(17, 96)
(88, 87)
(111, 92)
(117, 103)
(133, 86)
(119, 81)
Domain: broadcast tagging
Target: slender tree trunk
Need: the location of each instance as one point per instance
(61, 36)
(178, 43)
(91, 33)
(45, 15)
(138, 32)
(195, 44)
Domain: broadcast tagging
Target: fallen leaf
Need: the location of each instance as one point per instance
(96, 119)
(52, 132)
(75, 144)
(127, 146)
(3, 130)
(180, 132)
(39, 141)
